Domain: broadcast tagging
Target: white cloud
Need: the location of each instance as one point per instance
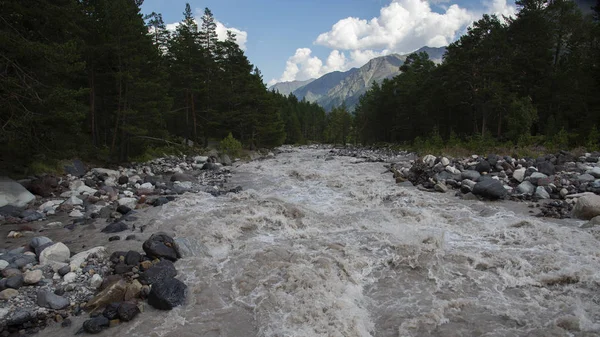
(401, 27)
(241, 37)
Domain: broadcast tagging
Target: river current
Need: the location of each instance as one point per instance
(316, 247)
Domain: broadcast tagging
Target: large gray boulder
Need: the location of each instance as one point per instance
(587, 207)
(14, 194)
(490, 189)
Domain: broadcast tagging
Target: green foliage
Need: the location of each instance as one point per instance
(593, 139)
(231, 146)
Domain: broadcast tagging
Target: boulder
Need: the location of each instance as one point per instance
(114, 292)
(75, 168)
(96, 281)
(123, 180)
(14, 194)
(483, 166)
(129, 202)
(526, 187)
(127, 311)
(182, 177)
(587, 207)
(133, 290)
(161, 245)
(9, 293)
(123, 209)
(167, 294)
(48, 299)
(133, 258)
(158, 272)
(43, 186)
(519, 174)
(33, 276)
(546, 168)
(115, 227)
(38, 241)
(595, 172)
(490, 189)
(96, 325)
(536, 177)
(57, 252)
(225, 160)
(14, 282)
(541, 193)
(586, 178)
(78, 259)
(470, 174)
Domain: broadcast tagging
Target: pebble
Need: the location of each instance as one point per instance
(33, 276)
(7, 294)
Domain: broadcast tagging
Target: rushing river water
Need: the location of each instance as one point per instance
(316, 247)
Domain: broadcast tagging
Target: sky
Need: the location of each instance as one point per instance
(301, 39)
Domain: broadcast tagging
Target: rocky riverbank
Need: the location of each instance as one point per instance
(560, 185)
(49, 273)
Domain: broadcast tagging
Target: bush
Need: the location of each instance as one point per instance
(231, 146)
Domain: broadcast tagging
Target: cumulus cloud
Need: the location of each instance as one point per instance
(241, 37)
(402, 26)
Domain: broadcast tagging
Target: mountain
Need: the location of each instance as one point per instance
(335, 88)
(285, 88)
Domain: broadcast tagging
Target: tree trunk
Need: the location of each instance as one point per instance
(194, 116)
(93, 108)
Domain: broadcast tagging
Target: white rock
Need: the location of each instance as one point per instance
(32, 276)
(595, 172)
(96, 281)
(429, 160)
(587, 207)
(147, 185)
(200, 159)
(76, 213)
(445, 161)
(73, 200)
(519, 174)
(68, 194)
(81, 188)
(14, 194)
(50, 204)
(3, 264)
(78, 259)
(110, 181)
(58, 252)
(110, 173)
(564, 192)
(541, 193)
(70, 277)
(129, 202)
(452, 170)
(128, 194)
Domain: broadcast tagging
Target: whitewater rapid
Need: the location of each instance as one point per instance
(316, 247)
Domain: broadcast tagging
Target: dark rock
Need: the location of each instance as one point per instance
(160, 245)
(111, 311)
(115, 257)
(114, 238)
(490, 189)
(105, 212)
(122, 268)
(115, 227)
(131, 237)
(64, 270)
(96, 324)
(546, 168)
(167, 294)
(133, 258)
(43, 186)
(50, 300)
(470, 174)
(123, 209)
(23, 261)
(10, 211)
(109, 280)
(160, 201)
(123, 180)
(483, 166)
(75, 168)
(492, 159)
(10, 272)
(30, 215)
(152, 179)
(59, 291)
(41, 248)
(158, 272)
(21, 317)
(66, 323)
(90, 182)
(210, 166)
(14, 282)
(38, 241)
(127, 311)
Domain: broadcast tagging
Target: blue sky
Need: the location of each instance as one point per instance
(300, 39)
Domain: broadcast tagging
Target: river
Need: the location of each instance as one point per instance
(316, 247)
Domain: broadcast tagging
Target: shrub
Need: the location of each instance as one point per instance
(231, 146)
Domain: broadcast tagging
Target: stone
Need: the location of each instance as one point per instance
(587, 207)
(57, 252)
(595, 172)
(546, 168)
(441, 187)
(73, 200)
(70, 277)
(14, 282)
(76, 214)
(129, 202)
(133, 290)
(445, 161)
(114, 238)
(167, 294)
(43, 186)
(64, 270)
(182, 177)
(200, 159)
(30, 215)
(3, 264)
(564, 192)
(122, 268)
(38, 241)
(123, 180)
(33, 276)
(50, 300)
(586, 178)
(127, 311)
(429, 160)
(14, 194)
(114, 292)
(78, 259)
(79, 187)
(161, 245)
(519, 174)
(182, 187)
(453, 170)
(123, 209)
(225, 160)
(7, 294)
(111, 311)
(541, 193)
(210, 166)
(96, 281)
(483, 166)
(156, 273)
(526, 187)
(536, 176)
(470, 174)
(96, 325)
(595, 221)
(490, 188)
(133, 258)
(115, 227)
(75, 168)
